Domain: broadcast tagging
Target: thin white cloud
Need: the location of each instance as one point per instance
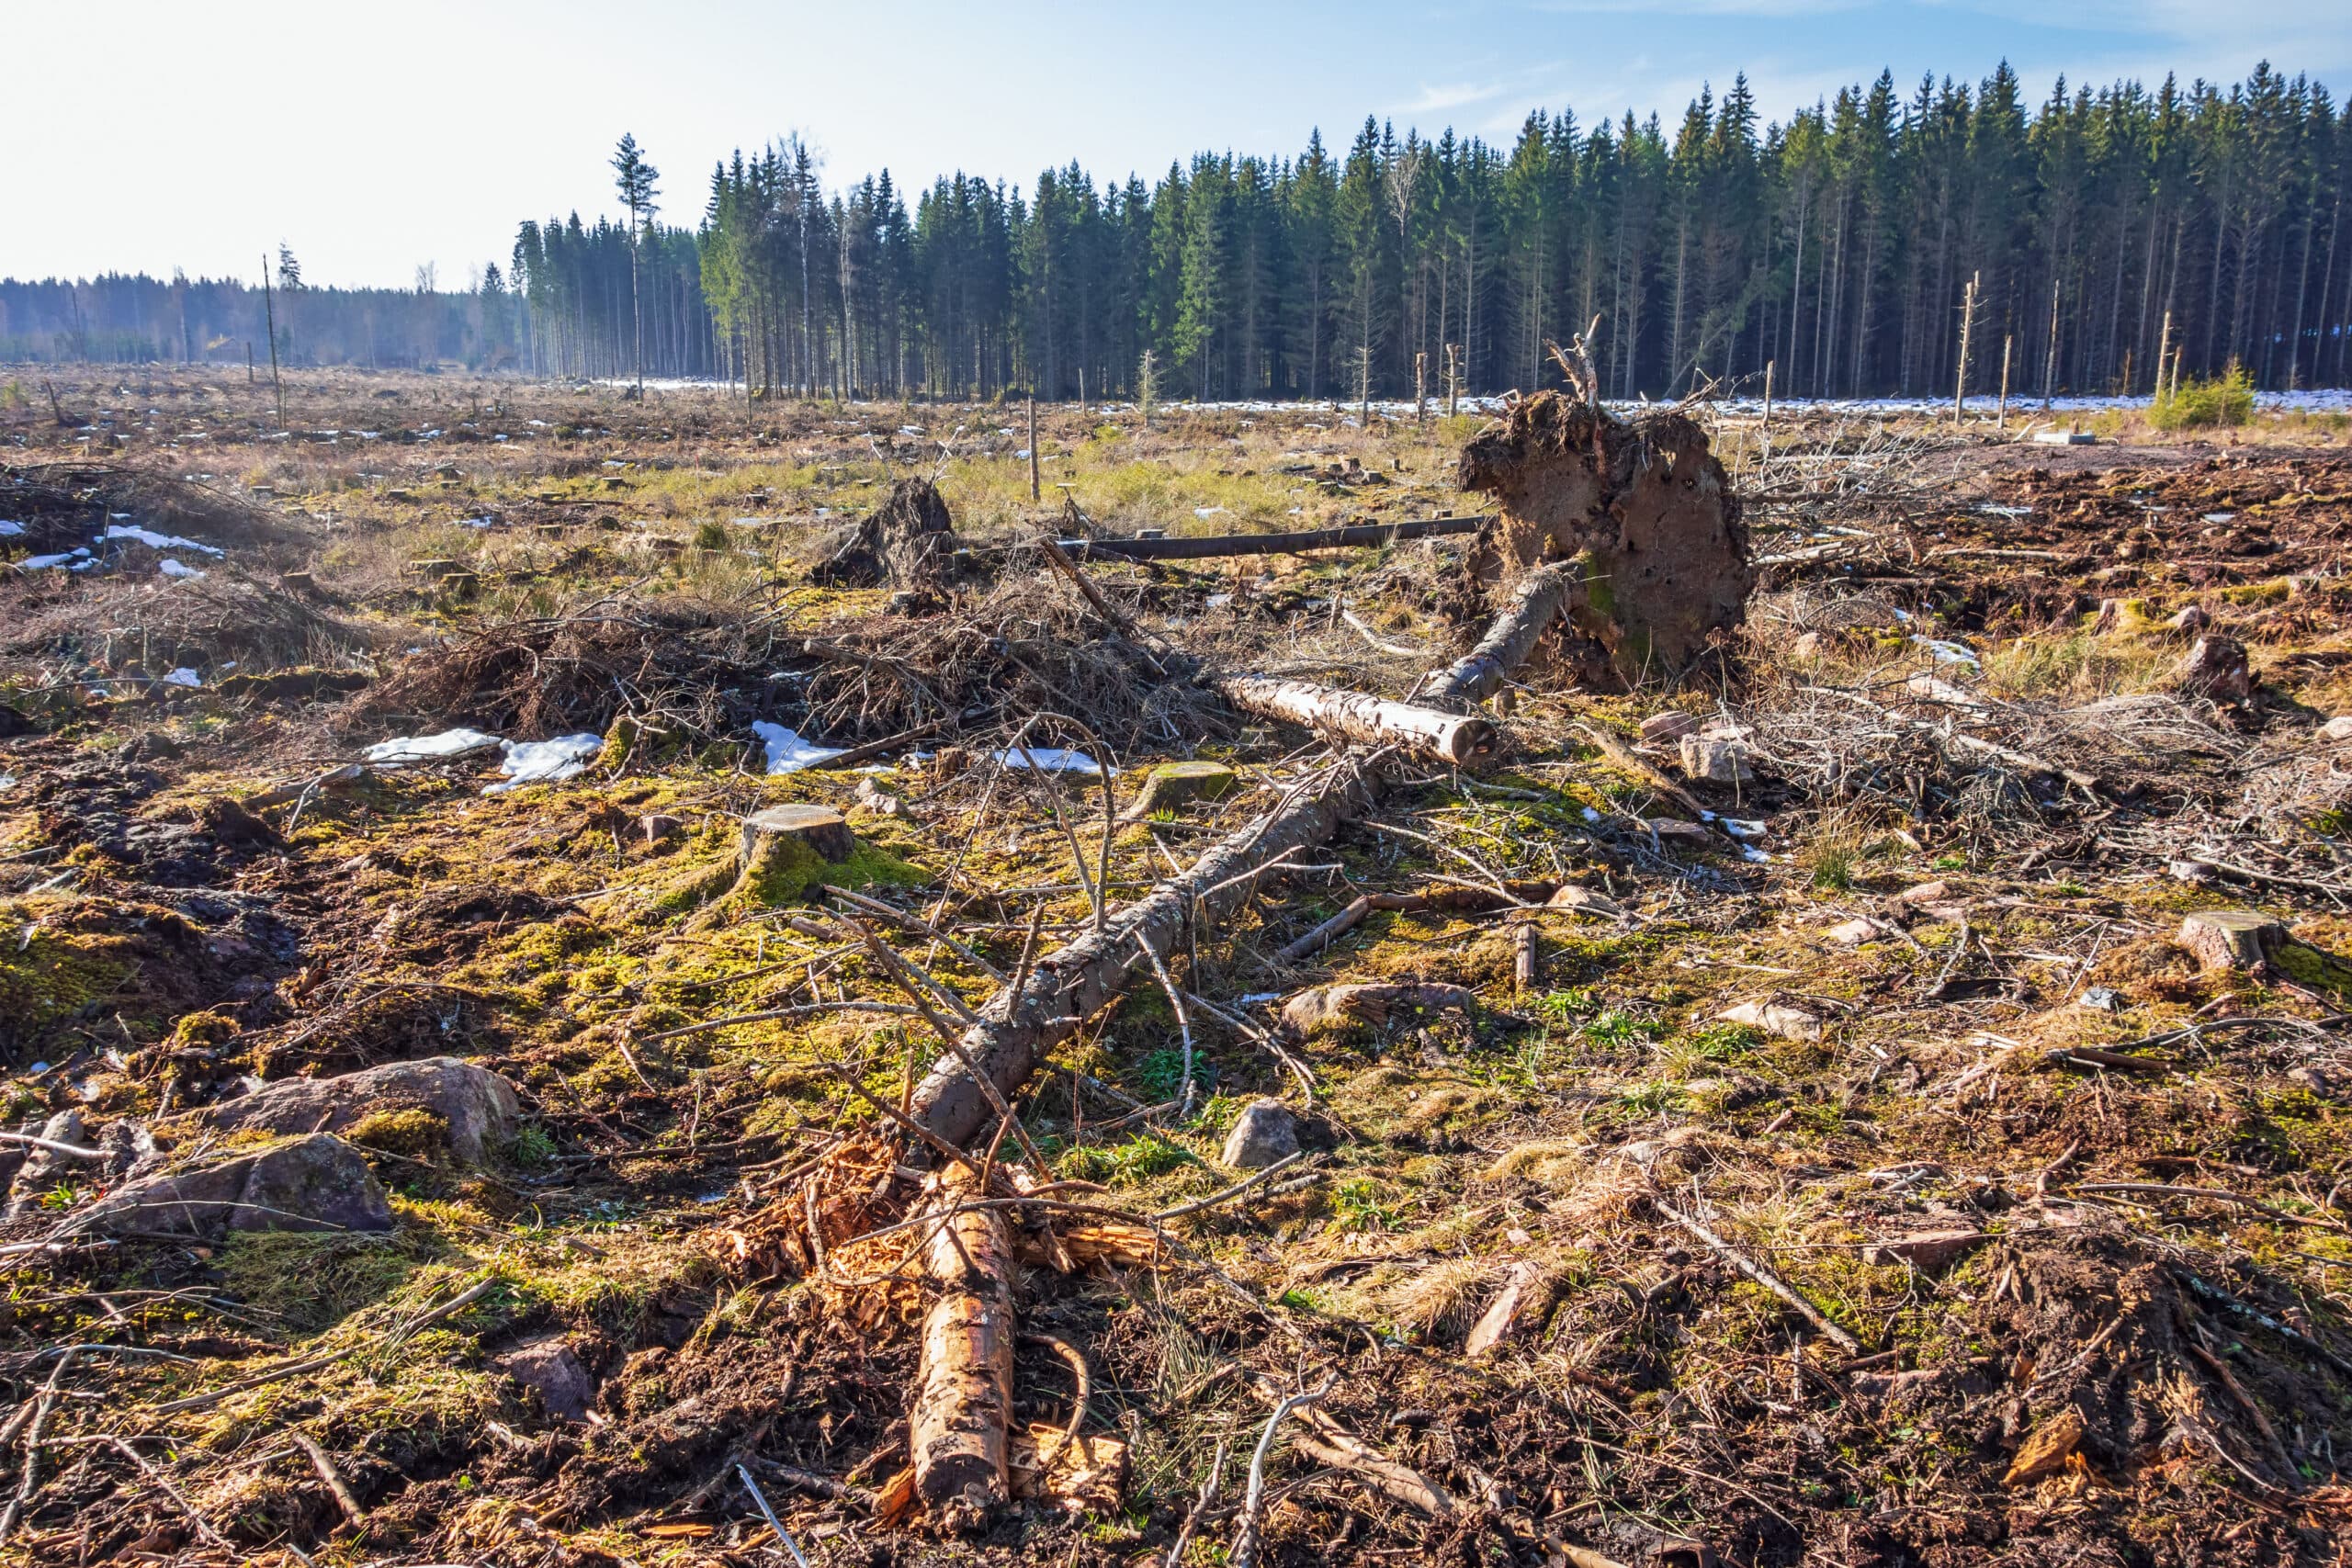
(1436, 100)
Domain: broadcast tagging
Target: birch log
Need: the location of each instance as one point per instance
(964, 1398)
(1428, 733)
(1541, 598)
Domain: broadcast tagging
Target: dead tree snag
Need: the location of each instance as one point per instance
(907, 543)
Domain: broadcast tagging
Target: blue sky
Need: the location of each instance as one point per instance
(374, 139)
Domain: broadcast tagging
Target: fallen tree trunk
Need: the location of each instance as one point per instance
(1015, 1029)
(956, 1435)
(1269, 544)
(1451, 739)
(1540, 600)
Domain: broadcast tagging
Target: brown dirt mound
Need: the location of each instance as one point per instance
(1648, 499)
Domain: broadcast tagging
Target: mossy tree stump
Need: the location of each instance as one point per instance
(2231, 939)
(1173, 784)
(785, 845)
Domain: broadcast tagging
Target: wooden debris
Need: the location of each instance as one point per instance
(1428, 733)
(1172, 785)
(2045, 1452)
(2231, 939)
(956, 1433)
(1203, 547)
(1538, 602)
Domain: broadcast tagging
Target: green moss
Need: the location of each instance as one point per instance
(309, 1282)
(50, 977)
(2310, 966)
(414, 1131)
(794, 869)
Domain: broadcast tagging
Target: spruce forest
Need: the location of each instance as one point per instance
(1838, 248)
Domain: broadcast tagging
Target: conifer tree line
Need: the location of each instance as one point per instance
(2100, 228)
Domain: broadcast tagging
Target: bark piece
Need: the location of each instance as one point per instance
(2231, 939)
(907, 543)
(1174, 784)
(965, 1391)
(1511, 1310)
(477, 1105)
(1262, 1134)
(1647, 500)
(2044, 1452)
(317, 1183)
(1428, 733)
(1085, 1475)
(1929, 1251)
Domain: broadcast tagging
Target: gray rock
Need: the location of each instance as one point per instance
(44, 1170)
(315, 1183)
(552, 1368)
(1715, 760)
(1672, 725)
(1264, 1133)
(478, 1104)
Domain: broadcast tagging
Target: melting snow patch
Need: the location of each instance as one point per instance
(183, 676)
(1947, 652)
(1590, 815)
(1739, 829)
(1049, 759)
(545, 761)
(477, 522)
(10, 530)
(154, 540)
(788, 753)
(171, 568)
(1024, 453)
(1208, 510)
(429, 748)
(72, 560)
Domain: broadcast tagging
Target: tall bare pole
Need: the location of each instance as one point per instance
(1768, 395)
(1036, 490)
(2050, 364)
(2164, 357)
(2001, 418)
(1421, 387)
(1967, 326)
(269, 305)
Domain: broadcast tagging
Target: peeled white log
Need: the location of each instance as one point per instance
(1457, 739)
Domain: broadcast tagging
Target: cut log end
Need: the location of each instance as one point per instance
(2231, 939)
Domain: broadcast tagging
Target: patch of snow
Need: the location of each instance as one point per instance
(1049, 759)
(477, 522)
(788, 753)
(1024, 453)
(10, 530)
(1739, 829)
(1948, 652)
(171, 568)
(72, 560)
(156, 541)
(1209, 511)
(184, 676)
(1590, 815)
(545, 761)
(429, 748)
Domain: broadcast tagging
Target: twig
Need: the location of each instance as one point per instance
(1200, 1505)
(1245, 1537)
(27, 1481)
(1184, 1021)
(1238, 1188)
(1769, 1280)
(917, 923)
(1075, 1361)
(72, 1151)
(333, 1479)
(163, 1484)
(769, 1514)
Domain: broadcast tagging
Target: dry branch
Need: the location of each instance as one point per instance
(1270, 544)
(1541, 598)
(958, 1432)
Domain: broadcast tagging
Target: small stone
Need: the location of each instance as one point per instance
(1672, 725)
(2100, 998)
(1678, 830)
(2191, 619)
(660, 826)
(1327, 1007)
(1853, 933)
(1262, 1134)
(2230, 939)
(2314, 1080)
(552, 1368)
(1808, 648)
(2337, 731)
(873, 800)
(1924, 893)
(1931, 1252)
(1788, 1023)
(1715, 762)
